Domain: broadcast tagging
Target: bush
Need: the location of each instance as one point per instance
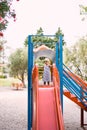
(3, 76)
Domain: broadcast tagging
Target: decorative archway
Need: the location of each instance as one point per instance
(44, 51)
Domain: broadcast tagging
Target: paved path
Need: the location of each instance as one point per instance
(13, 111)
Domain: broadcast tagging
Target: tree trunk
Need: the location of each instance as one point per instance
(24, 84)
(23, 81)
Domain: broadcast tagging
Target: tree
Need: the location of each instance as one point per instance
(2, 44)
(40, 38)
(18, 64)
(76, 58)
(3, 56)
(83, 11)
(26, 42)
(48, 41)
(6, 12)
(57, 34)
(40, 31)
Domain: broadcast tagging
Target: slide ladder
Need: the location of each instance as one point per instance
(76, 88)
(47, 111)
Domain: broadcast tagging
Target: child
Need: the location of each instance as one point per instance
(47, 72)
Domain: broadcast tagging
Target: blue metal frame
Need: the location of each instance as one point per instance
(30, 66)
(59, 64)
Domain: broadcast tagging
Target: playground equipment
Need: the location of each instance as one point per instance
(74, 88)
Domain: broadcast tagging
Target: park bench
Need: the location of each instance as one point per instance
(17, 85)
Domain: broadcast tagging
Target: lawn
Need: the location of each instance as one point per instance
(7, 81)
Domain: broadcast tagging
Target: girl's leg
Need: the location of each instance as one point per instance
(44, 83)
(48, 82)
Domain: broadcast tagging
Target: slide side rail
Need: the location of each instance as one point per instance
(56, 82)
(35, 98)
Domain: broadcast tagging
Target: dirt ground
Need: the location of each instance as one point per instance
(72, 115)
(13, 111)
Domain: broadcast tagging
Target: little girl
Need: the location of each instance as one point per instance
(47, 72)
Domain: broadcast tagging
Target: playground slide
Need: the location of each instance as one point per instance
(47, 117)
(47, 112)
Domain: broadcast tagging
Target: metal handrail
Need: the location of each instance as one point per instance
(74, 87)
(80, 81)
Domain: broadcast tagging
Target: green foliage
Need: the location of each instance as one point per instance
(57, 34)
(26, 42)
(48, 41)
(3, 76)
(3, 26)
(2, 42)
(7, 81)
(40, 39)
(18, 63)
(83, 11)
(40, 31)
(4, 8)
(6, 12)
(40, 61)
(76, 57)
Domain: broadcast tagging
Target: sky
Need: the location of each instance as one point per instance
(48, 14)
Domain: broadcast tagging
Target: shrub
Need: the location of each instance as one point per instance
(3, 76)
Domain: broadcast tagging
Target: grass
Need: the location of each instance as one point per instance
(7, 81)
